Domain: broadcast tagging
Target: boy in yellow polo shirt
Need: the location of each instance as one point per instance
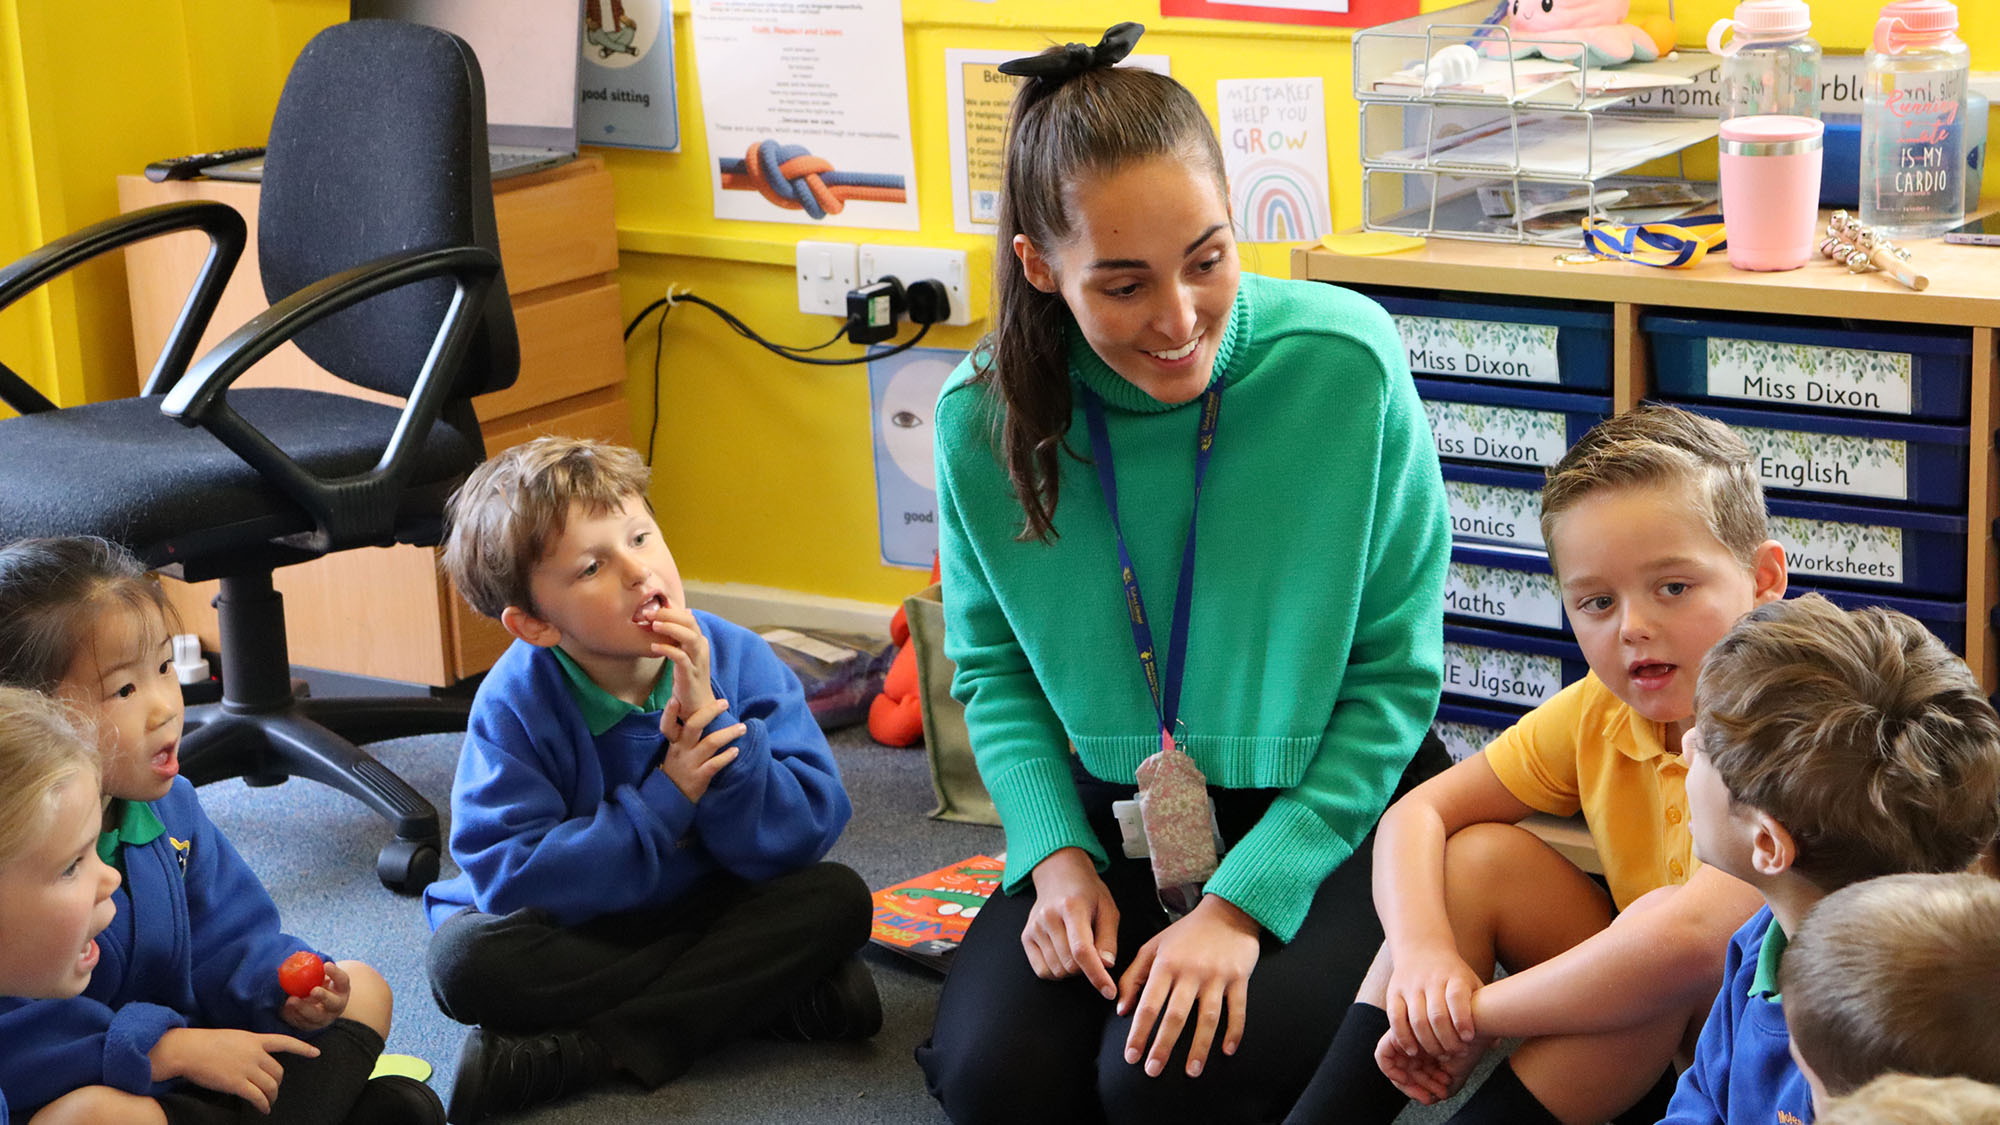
(1655, 527)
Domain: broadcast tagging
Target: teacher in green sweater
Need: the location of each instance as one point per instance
(1137, 388)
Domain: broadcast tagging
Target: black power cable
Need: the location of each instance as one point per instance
(736, 325)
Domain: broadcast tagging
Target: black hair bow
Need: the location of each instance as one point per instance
(1075, 58)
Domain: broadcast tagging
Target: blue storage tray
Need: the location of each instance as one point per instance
(1936, 386)
(1945, 620)
(1490, 346)
(1494, 505)
(1892, 549)
(1467, 728)
(1491, 665)
(1510, 586)
(1507, 425)
(1854, 457)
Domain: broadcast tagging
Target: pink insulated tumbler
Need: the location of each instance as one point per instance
(1770, 189)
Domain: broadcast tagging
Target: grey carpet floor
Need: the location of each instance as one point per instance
(315, 851)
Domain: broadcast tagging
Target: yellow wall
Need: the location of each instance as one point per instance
(764, 468)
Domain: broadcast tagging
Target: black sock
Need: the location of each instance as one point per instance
(1652, 1107)
(1348, 1087)
(1503, 1100)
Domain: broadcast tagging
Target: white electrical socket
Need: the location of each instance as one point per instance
(920, 263)
(827, 270)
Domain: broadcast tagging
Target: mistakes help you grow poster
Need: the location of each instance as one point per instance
(1274, 155)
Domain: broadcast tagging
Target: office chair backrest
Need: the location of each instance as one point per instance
(378, 146)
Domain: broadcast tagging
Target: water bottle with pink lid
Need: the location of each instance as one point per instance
(1913, 121)
(1771, 64)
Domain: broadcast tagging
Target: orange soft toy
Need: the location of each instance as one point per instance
(896, 717)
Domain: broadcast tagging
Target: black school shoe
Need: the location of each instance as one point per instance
(396, 1099)
(504, 1073)
(841, 1006)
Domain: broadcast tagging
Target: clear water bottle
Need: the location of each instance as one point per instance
(1771, 64)
(1913, 121)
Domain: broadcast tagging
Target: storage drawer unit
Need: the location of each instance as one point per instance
(1490, 665)
(1549, 345)
(1467, 728)
(1945, 620)
(1503, 585)
(1493, 505)
(1893, 550)
(1869, 458)
(1507, 425)
(1828, 365)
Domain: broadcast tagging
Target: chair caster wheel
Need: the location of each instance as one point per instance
(407, 866)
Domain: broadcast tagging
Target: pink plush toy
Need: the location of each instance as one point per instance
(1588, 32)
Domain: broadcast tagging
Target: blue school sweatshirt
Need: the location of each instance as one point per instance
(194, 943)
(562, 806)
(1743, 1071)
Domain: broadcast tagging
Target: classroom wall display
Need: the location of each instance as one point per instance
(1324, 13)
(626, 95)
(807, 109)
(902, 396)
(977, 98)
(1273, 133)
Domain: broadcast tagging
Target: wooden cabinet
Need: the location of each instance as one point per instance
(387, 612)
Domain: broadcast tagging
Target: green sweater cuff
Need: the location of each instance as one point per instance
(1273, 873)
(1037, 802)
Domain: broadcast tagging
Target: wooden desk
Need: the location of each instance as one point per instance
(387, 612)
(1964, 291)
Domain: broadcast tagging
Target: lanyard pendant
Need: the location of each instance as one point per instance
(1173, 803)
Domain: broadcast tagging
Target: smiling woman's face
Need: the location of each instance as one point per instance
(1149, 271)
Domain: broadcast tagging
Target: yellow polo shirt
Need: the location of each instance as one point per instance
(1586, 750)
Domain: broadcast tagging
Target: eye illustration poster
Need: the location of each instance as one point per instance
(902, 395)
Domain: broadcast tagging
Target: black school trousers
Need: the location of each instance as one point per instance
(1011, 1047)
(315, 1091)
(656, 988)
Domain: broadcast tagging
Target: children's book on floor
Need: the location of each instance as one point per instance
(925, 918)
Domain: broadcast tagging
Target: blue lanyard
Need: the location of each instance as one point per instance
(1166, 689)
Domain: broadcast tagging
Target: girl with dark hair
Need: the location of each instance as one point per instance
(1300, 637)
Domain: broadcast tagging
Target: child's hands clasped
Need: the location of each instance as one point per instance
(680, 639)
(228, 1061)
(320, 1007)
(1429, 1002)
(1427, 1079)
(695, 754)
(1198, 966)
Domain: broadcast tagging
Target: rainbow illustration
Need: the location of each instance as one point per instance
(1277, 201)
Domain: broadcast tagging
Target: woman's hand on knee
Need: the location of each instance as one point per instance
(1429, 1002)
(1198, 966)
(1073, 927)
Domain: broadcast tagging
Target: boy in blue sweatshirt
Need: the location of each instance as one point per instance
(640, 812)
(1829, 747)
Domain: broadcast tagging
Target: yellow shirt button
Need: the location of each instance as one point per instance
(1674, 815)
(1674, 868)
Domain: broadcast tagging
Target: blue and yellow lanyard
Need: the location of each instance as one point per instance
(1166, 689)
(1669, 243)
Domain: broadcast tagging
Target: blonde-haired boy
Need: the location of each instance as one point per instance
(1829, 747)
(640, 812)
(1655, 527)
(1905, 1099)
(1898, 974)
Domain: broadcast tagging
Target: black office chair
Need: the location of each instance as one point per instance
(379, 253)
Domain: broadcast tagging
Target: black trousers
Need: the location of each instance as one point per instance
(316, 1091)
(1011, 1047)
(659, 988)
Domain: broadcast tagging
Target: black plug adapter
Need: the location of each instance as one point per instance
(872, 311)
(930, 301)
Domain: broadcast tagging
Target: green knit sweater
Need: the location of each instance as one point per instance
(1315, 638)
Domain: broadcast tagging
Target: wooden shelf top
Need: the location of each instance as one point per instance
(1964, 289)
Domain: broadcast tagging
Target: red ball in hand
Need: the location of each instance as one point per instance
(301, 973)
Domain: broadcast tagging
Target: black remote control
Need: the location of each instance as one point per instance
(187, 167)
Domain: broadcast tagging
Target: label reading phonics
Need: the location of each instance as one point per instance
(1504, 434)
(1860, 552)
(1492, 673)
(1518, 597)
(1495, 512)
(1480, 349)
(1809, 375)
(1815, 462)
